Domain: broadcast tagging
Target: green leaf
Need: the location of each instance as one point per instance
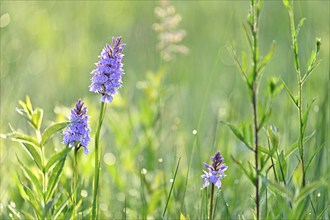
(249, 174)
(295, 101)
(33, 153)
(297, 177)
(60, 208)
(33, 179)
(32, 200)
(37, 118)
(55, 177)
(57, 158)
(22, 138)
(182, 217)
(265, 117)
(267, 57)
(307, 190)
(305, 116)
(300, 24)
(287, 4)
(274, 87)
(313, 156)
(53, 129)
(291, 149)
(280, 189)
(27, 216)
(239, 135)
(273, 138)
(282, 166)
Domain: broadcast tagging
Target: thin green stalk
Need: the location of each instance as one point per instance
(254, 29)
(75, 182)
(300, 94)
(44, 175)
(97, 163)
(211, 202)
(169, 195)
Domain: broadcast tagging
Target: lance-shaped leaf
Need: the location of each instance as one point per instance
(56, 158)
(51, 130)
(239, 135)
(55, 177)
(295, 101)
(22, 138)
(306, 113)
(313, 156)
(307, 190)
(32, 200)
(37, 118)
(33, 179)
(33, 153)
(267, 58)
(280, 189)
(249, 174)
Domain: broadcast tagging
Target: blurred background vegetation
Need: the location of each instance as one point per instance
(48, 50)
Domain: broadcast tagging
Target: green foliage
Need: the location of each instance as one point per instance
(149, 124)
(41, 185)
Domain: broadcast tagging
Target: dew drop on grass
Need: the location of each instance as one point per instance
(227, 204)
(84, 193)
(319, 194)
(160, 160)
(194, 132)
(171, 180)
(144, 171)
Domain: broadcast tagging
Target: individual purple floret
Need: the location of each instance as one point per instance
(107, 77)
(216, 171)
(77, 132)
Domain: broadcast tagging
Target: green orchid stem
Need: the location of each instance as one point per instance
(211, 202)
(97, 163)
(75, 183)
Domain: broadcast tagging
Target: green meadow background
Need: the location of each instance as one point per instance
(48, 49)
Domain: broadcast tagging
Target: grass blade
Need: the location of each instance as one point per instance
(169, 195)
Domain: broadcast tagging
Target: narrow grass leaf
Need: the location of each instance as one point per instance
(239, 135)
(172, 185)
(33, 179)
(27, 216)
(306, 113)
(57, 158)
(60, 208)
(313, 156)
(307, 190)
(280, 190)
(295, 101)
(53, 129)
(267, 57)
(249, 174)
